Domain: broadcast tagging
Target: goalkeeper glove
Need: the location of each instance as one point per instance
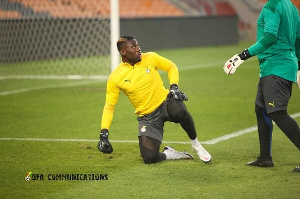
(234, 62)
(176, 94)
(103, 145)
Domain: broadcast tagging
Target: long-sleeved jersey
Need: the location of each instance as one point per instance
(278, 40)
(141, 83)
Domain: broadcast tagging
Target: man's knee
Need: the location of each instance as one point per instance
(275, 116)
(181, 115)
(177, 112)
(149, 148)
(150, 158)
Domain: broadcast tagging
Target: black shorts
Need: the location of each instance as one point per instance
(152, 125)
(273, 93)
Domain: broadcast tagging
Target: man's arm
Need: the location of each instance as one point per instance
(112, 96)
(272, 21)
(167, 65)
(173, 75)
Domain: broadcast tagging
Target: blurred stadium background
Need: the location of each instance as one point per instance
(72, 38)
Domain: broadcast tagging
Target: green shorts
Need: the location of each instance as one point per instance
(273, 93)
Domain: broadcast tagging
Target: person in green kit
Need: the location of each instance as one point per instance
(278, 51)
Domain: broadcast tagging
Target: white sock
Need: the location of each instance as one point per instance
(195, 142)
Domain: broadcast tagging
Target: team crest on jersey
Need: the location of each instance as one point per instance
(147, 70)
(143, 129)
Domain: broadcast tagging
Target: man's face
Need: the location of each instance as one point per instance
(131, 52)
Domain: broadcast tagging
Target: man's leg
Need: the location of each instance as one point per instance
(288, 125)
(282, 92)
(274, 94)
(178, 113)
(149, 148)
(265, 128)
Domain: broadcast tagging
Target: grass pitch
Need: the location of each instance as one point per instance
(220, 105)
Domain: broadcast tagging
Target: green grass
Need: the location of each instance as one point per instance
(220, 105)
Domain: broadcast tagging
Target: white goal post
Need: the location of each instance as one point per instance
(115, 33)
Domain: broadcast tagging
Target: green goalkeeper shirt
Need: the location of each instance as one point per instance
(278, 40)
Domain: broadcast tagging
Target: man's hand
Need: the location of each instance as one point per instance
(176, 94)
(234, 62)
(298, 78)
(103, 145)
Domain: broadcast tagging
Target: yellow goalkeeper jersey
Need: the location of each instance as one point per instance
(141, 83)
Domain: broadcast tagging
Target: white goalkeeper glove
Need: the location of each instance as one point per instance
(298, 78)
(234, 62)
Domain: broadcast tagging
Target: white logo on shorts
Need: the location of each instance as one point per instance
(143, 129)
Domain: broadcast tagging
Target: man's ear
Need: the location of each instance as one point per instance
(122, 52)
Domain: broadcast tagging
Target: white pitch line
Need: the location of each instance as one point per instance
(46, 87)
(211, 142)
(239, 133)
(101, 77)
(207, 65)
(62, 140)
(94, 77)
(56, 77)
(82, 77)
(231, 135)
(219, 64)
(71, 77)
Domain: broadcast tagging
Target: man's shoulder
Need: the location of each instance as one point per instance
(116, 72)
(149, 54)
(271, 5)
(278, 5)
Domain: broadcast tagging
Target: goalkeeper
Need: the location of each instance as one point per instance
(278, 52)
(138, 77)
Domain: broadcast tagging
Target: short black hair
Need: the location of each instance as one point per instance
(122, 40)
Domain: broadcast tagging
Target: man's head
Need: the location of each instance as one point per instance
(129, 49)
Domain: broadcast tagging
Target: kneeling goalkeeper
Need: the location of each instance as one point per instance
(138, 77)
